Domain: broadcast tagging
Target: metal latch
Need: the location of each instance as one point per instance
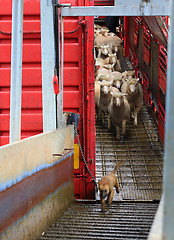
(58, 5)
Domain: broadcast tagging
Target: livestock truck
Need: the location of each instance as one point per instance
(49, 169)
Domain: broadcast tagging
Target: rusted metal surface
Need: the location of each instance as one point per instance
(140, 174)
(120, 221)
(35, 185)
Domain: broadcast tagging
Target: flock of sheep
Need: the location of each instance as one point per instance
(117, 93)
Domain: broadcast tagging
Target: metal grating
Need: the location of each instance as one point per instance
(140, 174)
(122, 220)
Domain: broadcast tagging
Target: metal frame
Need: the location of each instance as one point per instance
(168, 179)
(122, 8)
(48, 64)
(16, 71)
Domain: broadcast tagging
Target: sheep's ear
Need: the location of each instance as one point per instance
(109, 54)
(112, 93)
(124, 94)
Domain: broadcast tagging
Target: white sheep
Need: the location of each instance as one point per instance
(104, 99)
(104, 51)
(119, 112)
(134, 96)
(128, 75)
(101, 71)
(116, 77)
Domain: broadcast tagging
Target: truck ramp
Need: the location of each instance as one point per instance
(122, 220)
(132, 211)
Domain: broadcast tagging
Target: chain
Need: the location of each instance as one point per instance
(84, 157)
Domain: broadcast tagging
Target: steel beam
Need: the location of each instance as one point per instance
(16, 71)
(61, 66)
(168, 179)
(48, 64)
(122, 8)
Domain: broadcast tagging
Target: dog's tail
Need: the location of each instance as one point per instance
(117, 167)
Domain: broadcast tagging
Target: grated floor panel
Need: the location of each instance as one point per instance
(140, 174)
(122, 220)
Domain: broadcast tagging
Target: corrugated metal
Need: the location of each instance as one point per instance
(31, 80)
(120, 221)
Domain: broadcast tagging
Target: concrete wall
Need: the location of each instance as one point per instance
(36, 183)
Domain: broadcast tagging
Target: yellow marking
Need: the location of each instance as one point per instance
(76, 156)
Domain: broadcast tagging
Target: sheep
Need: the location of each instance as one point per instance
(111, 59)
(134, 96)
(105, 99)
(119, 112)
(117, 79)
(128, 75)
(112, 41)
(117, 66)
(99, 62)
(101, 71)
(104, 51)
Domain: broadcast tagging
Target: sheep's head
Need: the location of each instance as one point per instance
(118, 98)
(117, 81)
(105, 50)
(133, 85)
(105, 87)
(112, 57)
(104, 32)
(131, 73)
(115, 48)
(109, 67)
(103, 77)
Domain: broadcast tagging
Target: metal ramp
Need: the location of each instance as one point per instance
(121, 221)
(140, 174)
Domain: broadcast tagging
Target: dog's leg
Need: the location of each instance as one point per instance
(111, 195)
(116, 186)
(102, 202)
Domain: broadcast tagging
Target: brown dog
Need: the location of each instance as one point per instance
(106, 186)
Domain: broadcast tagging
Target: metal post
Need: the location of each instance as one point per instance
(48, 64)
(61, 65)
(168, 179)
(16, 71)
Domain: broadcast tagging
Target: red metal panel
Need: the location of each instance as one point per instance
(31, 79)
(146, 46)
(162, 68)
(161, 123)
(146, 90)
